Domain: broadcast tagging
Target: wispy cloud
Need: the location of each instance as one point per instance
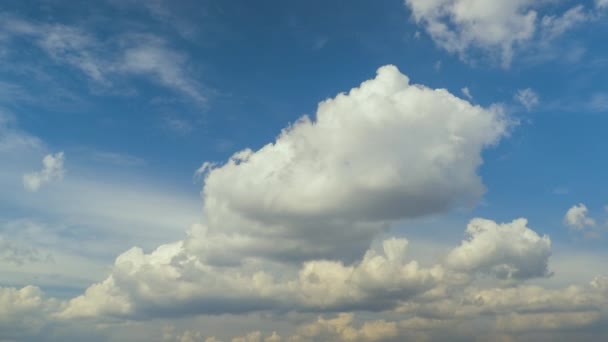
(527, 98)
(466, 92)
(11, 138)
(104, 60)
(152, 58)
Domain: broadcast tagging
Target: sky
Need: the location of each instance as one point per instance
(265, 171)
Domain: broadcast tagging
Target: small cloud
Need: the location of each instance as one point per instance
(320, 43)
(527, 98)
(466, 92)
(417, 35)
(561, 190)
(52, 170)
(223, 145)
(117, 159)
(202, 171)
(180, 126)
(437, 66)
(577, 217)
(599, 102)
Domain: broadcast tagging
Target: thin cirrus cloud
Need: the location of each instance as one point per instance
(135, 55)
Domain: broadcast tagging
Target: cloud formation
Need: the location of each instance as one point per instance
(52, 170)
(496, 28)
(527, 98)
(385, 151)
(298, 228)
(169, 281)
(103, 61)
(23, 312)
(287, 227)
(577, 217)
(506, 251)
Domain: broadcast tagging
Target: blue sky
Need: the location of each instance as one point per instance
(108, 109)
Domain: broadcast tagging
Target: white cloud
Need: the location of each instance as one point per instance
(103, 61)
(52, 170)
(286, 225)
(23, 312)
(601, 4)
(577, 217)
(507, 251)
(153, 58)
(527, 98)
(139, 284)
(498, 28)
(385, 151)
(466, 92)
(554, 26)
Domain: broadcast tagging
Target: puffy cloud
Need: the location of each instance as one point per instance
(170, 282)
(601, 4)
(577, 217)
(497, 28)
(342, 328)
(385, 151)
(23, 312)
(52, 170)
(507, 251)
(527, 98)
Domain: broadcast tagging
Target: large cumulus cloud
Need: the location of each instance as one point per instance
(384, 151)
(287, 227)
